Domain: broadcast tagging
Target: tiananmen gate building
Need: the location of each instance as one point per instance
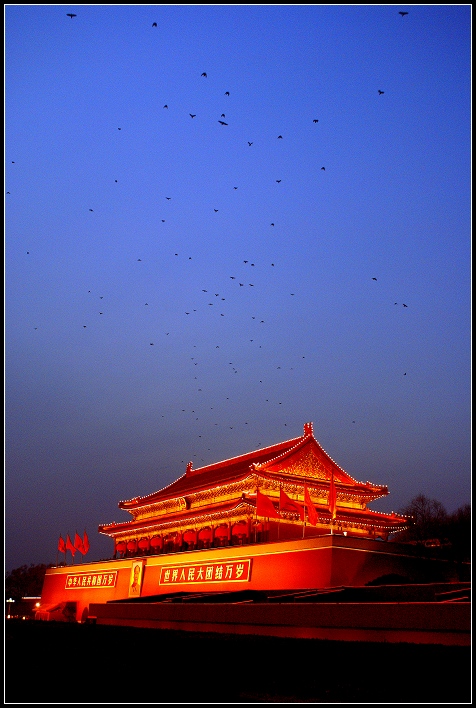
(275, 523)
(253, 498)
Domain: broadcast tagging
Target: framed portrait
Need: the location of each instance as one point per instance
(135, 582)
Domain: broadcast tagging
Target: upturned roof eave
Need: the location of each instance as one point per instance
(184, 519)
(175, 488)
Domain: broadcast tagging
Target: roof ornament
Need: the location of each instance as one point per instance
(189, 468)
(307, 429)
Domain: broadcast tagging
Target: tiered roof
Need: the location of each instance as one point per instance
(227, 488)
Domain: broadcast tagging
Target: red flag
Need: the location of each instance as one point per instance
(61, 545)
(332, 498)
(312, 514)
(78, 543)
(69, 546)
(85, 543)
(288, 504)
(265, 507)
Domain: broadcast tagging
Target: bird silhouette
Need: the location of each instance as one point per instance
(272, 224)
(280, 136)
(119, 128)
(215, 210)
(315, 120)
(166, 106)
(380, 92)
(404, 305)
(204, 74)
(250, 143)
(278, 181)
(70, 14)
(192, 115)
(90, 210)
(154, 24)
(222, 122)
(227, 93)
(222, 115)
(168, 197)
(233, 188)
(374, 278)
(323, 168)
(403, 13)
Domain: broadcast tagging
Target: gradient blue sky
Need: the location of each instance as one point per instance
(111, 388)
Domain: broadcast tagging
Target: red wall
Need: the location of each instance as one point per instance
(322, 562)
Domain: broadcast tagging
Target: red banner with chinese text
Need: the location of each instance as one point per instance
(239, 570)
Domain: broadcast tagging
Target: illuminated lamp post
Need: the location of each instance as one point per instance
(9, 601)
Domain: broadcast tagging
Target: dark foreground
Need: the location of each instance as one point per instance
(62, 663)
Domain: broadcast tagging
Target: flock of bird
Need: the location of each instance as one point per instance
(215, 297)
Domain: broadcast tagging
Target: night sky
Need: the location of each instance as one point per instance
(180, 289)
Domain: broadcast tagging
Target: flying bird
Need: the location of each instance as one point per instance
(222, 122)
(250, 143)
(280, 136)
(227, 93)
(222, 115)
(192, 115)
(380, 92)
(278, 181)
(168, 197)
(403, 13)
(404, 305)
(204, 74)
(374, 278)
(90, 210)
(154, 24)
(166, 106)
(323, 168)
(315, 120)
(70, 14)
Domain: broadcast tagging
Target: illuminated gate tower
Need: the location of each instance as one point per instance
(216, 505)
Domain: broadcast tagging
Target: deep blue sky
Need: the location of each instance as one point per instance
(111, 388)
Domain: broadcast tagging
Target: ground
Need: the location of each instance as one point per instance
(52, 662)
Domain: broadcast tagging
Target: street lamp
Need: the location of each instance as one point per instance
(10, 600)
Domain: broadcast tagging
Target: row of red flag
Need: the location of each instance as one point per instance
(80, 544)
(265, 507)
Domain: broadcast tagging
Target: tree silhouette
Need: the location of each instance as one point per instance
(25, 581)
